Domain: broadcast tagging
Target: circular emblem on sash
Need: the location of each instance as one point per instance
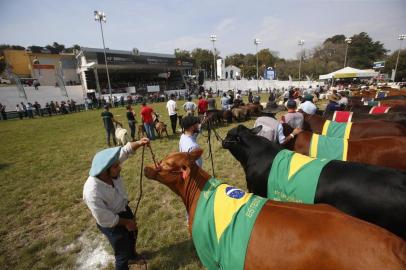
(234, 192)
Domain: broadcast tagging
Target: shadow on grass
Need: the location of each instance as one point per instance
(4, 166)
(176, 255)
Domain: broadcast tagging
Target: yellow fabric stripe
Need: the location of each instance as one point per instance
(225, 207)
(345, 149)
(347, 130)
(314, 145)
(297, 162)
(325, 127)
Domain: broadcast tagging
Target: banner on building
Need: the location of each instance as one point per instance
(269, 74)
(152, 88)
(379, 64)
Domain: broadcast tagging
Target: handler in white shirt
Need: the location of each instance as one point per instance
(308, 106)
(105, 196)
(188, 141)
(171, 107)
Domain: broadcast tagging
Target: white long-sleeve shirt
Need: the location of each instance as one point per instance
(104, 200)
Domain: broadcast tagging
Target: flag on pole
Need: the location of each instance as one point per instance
(16, 79)
(59, 78)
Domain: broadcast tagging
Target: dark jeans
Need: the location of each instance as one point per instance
(173, 118)
(122, 241)
(131, 124)
(112, 132)
(149, 129)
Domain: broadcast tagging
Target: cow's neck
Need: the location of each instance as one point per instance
(191, 193)
(315, 122)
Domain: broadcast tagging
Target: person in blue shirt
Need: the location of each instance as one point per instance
(225, 102)
(333, 105)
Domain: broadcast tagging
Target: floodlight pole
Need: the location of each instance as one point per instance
(101, 16)
(300, 43)
(256, 42)
(213, 39)
(348, 42)
(401, 38)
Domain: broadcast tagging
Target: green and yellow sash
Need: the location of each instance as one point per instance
(328, 147)
(294, 177)
(336, 129)
(224, 219)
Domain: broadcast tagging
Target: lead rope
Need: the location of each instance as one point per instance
(141, 174)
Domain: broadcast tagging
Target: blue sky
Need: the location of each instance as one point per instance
(162, 26)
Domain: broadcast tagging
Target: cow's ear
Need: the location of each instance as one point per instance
(256, 130)
(195, 154)
(185, 172)
(241, 128)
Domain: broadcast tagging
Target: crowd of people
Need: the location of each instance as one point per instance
(29, 110)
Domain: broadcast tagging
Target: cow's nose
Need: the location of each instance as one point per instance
(150, 172)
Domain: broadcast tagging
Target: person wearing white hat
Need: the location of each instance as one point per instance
(105, 196)
(272, 129)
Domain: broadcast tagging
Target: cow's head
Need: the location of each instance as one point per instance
(241, 140)
(237, 136)
(175, 170)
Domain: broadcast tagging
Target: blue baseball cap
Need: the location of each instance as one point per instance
(104, 159)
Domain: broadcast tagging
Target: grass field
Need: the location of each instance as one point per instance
(43, 165)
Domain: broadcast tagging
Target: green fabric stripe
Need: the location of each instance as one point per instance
(203, 230)
(230, 252)
(336, 129)
(301, 187)
(330, 148)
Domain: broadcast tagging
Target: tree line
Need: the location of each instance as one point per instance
(322, 59)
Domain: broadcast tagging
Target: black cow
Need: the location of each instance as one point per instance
(372, 193)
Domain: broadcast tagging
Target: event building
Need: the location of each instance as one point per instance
(29, 66)
(131, 71)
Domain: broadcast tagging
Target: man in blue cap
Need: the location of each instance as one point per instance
(105, 196)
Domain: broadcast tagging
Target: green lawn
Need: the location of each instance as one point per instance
(43, 165)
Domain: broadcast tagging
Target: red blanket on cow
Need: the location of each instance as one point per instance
(379, 110)
(342, 116)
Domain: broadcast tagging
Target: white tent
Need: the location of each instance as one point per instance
(349, 72)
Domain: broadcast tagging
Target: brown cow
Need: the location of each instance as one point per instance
(397, 117)
(383, 151)
(240, 114)
(367, 129)
(287, 236)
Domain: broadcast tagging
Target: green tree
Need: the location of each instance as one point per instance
(336, 39)
(265, 57)
(182, 54)
(363, 51)
(391, 63)
(35, 49)
(203, 59)
(236, 59)
(55, 48)
(71, 49)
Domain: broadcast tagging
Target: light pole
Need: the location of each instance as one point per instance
(401, 38)
(256, 42)
(300, 43)
(348, 42)
(213, 39)
(101, 17)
